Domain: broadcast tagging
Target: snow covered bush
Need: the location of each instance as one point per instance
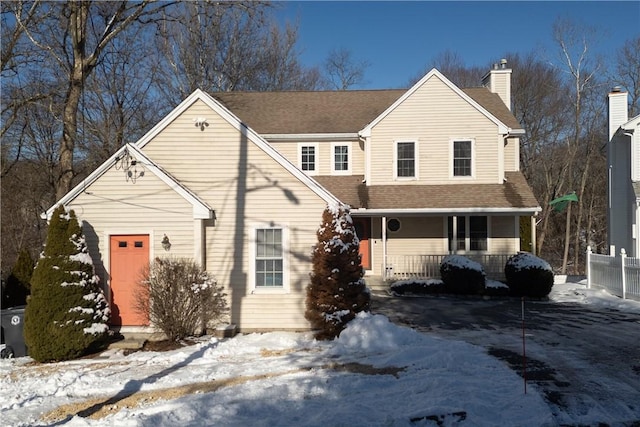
(528, 275)
(179, 298)
(337, 291)
(417, 287)
(462, 275)
(67, 314)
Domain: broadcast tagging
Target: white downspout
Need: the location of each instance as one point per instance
(384, 248)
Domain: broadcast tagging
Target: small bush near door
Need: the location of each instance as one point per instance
(179, 297)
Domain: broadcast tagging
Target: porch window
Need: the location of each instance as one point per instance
(406, 160)
(462, 158)
(340, 158)
(269, 258)
(308, 155)
(478, 233)
(471, 233)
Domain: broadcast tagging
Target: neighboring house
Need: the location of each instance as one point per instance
(239, 181)
(623, 157)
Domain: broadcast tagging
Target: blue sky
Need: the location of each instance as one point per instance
(399, 39)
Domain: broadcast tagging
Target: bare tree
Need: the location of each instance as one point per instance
(574, 42)
(344, 70)
(75, 36)
(628, 73)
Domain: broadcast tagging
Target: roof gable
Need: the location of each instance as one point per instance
(199, 206)
(474, 95)
(201, 210)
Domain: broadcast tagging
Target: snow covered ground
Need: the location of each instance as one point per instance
(375, 374)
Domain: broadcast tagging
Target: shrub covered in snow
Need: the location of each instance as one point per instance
(417, 287)
(18, 283)
(462, 275)
(66, 315)
(179, 298)
(528, 275)
(337, 291)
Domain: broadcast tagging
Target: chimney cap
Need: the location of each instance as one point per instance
(616, 89)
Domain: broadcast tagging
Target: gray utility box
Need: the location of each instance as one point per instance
(12, 320)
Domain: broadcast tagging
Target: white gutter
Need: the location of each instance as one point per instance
(310, 136)
(442, 211)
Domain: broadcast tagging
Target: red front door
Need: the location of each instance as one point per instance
(363, 230)
(129, 254)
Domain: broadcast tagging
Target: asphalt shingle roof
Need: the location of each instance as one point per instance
(514, 193)
(347, 111)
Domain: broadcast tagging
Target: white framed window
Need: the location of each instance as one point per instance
(269, 264)
(308, 158)
(462, 155)
(340, 158)
(406, 160)
(468, 233)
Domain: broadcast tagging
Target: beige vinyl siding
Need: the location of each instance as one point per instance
(113, 205)
(503, 237)
(212, 163)
(512, 154)
(324, 156)
(433, 116)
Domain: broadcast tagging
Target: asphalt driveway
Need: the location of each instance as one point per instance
(583, 359)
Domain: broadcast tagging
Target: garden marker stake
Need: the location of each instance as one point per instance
(524, 353)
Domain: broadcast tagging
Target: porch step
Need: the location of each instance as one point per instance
(376, 284)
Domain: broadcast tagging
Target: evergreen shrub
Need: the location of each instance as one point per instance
(67, 314)
(528, 275)
(462, 275)
(17, 286)
(337, 291)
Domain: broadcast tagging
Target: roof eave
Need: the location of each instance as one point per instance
(528, 211)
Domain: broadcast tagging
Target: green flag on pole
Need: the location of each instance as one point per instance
(561, 203)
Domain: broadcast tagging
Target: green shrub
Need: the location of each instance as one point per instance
(337, 291)
(18, 287)
(66, 315)
(417, 287)
(179, 298)
(462, 275)
(528, 275)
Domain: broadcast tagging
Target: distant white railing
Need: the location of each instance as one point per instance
(619, 274)
(403, 267)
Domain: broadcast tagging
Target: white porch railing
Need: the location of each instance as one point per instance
(618, 274)
(403, 267)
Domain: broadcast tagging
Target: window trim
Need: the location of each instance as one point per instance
(452, 143)
(255, 289)
(316, 163)
(333, 158)
(416, 163)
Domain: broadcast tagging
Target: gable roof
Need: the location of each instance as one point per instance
(485, 109)
(344, 112)
(201, 209)
(512, 196)
(172, 182)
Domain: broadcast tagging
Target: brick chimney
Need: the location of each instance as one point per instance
(618, 113)
(498, 80)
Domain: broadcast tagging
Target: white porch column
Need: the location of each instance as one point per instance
(534, 236)
(384, 247)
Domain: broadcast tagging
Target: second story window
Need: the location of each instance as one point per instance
(462, 158)
(340, 158)
(406, 160)
(308, 156)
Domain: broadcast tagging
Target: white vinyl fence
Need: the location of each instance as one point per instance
(618, 274)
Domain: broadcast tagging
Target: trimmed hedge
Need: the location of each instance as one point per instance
(528, 275)
(462, 276)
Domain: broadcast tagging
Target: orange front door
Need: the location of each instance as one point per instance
(129, 254)
(363, 230)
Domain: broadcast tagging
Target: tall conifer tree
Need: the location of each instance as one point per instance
(67, 313)
(337, 291)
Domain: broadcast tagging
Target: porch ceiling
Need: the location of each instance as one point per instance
(513, 194)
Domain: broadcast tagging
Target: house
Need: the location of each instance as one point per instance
(238, 182)
(623, 156)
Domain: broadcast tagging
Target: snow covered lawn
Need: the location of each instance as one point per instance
(375, 374)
